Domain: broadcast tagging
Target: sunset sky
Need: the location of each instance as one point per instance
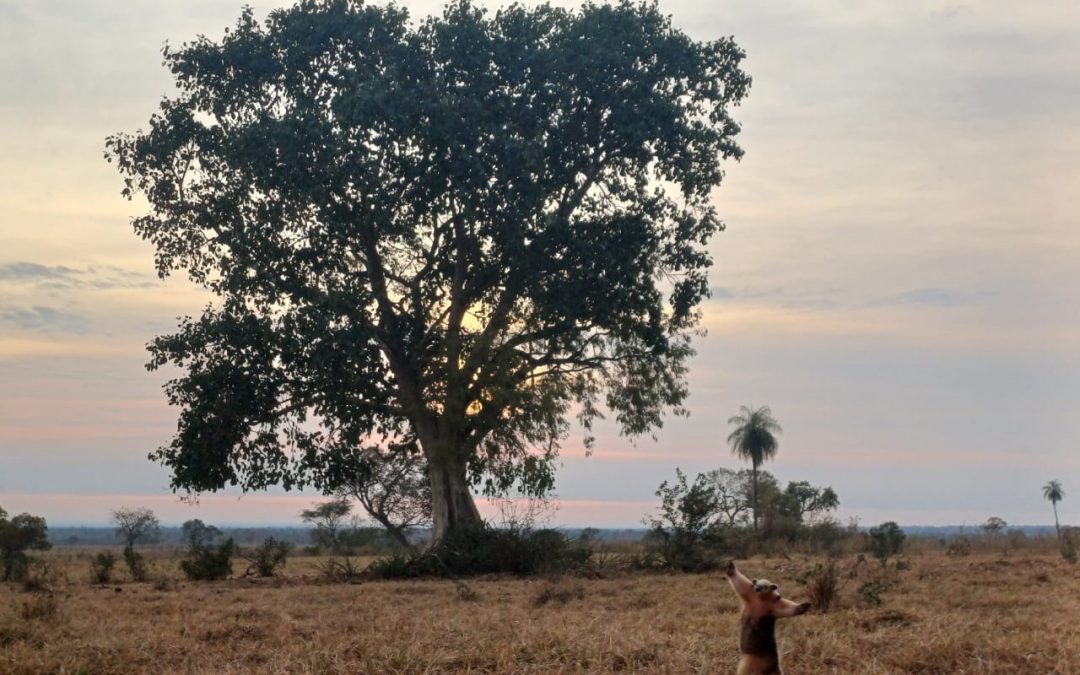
(898, 279)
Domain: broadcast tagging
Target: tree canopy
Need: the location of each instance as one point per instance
(17, 535)
(135, 524)
(448, 237)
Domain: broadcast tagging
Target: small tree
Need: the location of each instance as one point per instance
(22, 533)
(393, 487)
(136, 525)
(206, 561)
(885, 540)
(329, 519)
(686, 523)
(994, 526)
(732, 489)
(801, 502)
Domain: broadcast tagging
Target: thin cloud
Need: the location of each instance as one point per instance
(42, 318)
(930, 297)
(63, 277)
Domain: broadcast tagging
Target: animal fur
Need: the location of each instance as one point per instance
(762, 605)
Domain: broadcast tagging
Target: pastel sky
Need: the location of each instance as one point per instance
(898, 279)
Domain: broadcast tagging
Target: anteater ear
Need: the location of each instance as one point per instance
(754, 581)
(773, 587)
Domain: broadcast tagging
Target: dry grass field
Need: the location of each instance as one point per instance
(982, 613)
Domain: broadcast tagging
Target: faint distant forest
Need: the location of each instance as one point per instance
(76, 536)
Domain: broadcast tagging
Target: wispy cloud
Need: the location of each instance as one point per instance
(931, 297)
(62, 277)
(41, 318)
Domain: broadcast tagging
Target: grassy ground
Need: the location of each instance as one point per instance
(981, 613)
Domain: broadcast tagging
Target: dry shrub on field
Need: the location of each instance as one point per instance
(823, 585)
(41, 576)
(634, 659)
(559, 592)
(39, 607)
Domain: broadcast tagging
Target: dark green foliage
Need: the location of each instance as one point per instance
(136, 564)
(206, 560)
(398, 221)
(19, 534)
(268, 557)
(685, 530)
(101, 567)
(885, 540)
(487, 550)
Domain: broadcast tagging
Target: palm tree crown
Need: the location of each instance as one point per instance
(753, 436)
(1055, 493)
(753, 439)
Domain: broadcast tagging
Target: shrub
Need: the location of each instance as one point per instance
(885, 540)
(959, 546)
(136, 564)
(267, 557)
(341, 568)
(1069, 547)
(487, 550)
(39, 576)
(560, 592)
(206, 561)
(822, 583)
(870, 593)
(101, 567)
(686, 526)
(40, 607)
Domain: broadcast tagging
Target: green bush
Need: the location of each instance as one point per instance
(136, 564)
(267, 557)
(209, 562)
(101, 567)
(488, 550)
(885, 540)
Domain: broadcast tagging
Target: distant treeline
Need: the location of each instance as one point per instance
(61, 536)
(301, 536)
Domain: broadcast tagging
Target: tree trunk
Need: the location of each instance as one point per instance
(753, 479)
(452, 504)
(1057, 526)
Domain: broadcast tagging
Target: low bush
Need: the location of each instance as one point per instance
(266, 558)
(40, 576)
(136, 564)
(101, 567)
(488, 550)
(822, 583)
(209, 562)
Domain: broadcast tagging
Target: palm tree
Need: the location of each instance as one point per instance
(753, 440)
(1055, 493)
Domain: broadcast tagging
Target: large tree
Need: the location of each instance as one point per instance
(754, 439)
(447, 237)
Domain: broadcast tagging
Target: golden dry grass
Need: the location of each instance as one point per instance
(974, 614)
